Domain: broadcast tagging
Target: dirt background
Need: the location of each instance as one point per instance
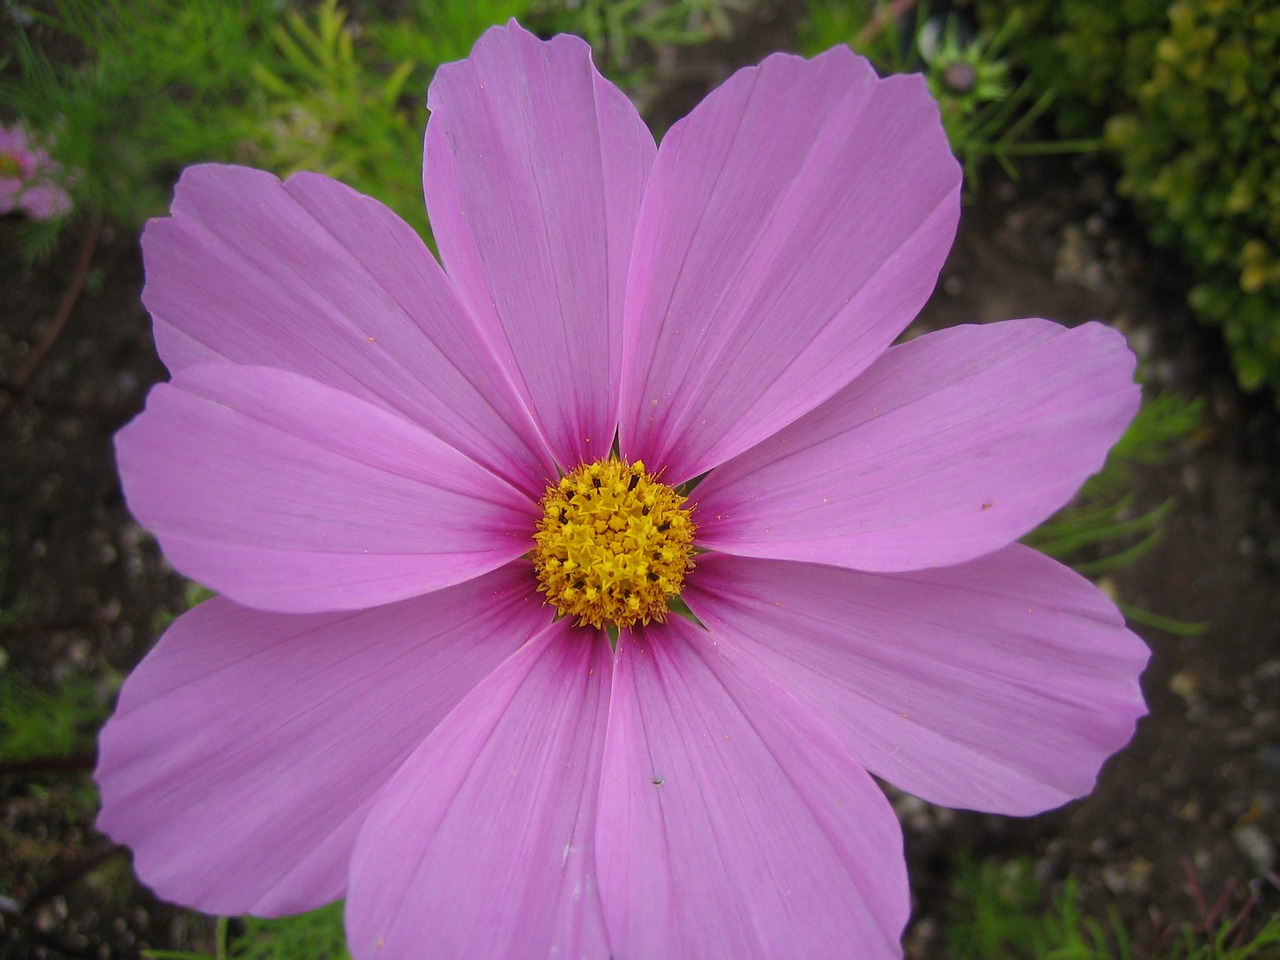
(1184, 820)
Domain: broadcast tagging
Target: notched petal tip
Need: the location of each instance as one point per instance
(535, 167)
(744, 308)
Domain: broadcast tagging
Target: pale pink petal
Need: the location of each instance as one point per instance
(794, 224)
(13, 142)
(535, 167)
(43, 201)
(288, 495)
(949, 447)
(247, 747)
(481, 847)
(1000, 685)
(732, 826)
(312, 277)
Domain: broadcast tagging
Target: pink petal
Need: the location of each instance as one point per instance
(288, 495)
(45, 201)
(481, 846)
(535, 167)
(794, 224)
(731, 825)
(312, 277)
(949, 447)
(1000, 685)
(247, 747)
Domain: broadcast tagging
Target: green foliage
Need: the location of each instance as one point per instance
(325, 104)
(1101, 530)
(159, 86)
(985, 112)
(350, 101)
(1186, 94)
(994, 905)
(441, 31)
(37, 725)
(318, 935)
(1201, 156)
(999, 912)
(1086, 52)
(626, 35)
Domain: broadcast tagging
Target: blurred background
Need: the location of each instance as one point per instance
(1122, 163)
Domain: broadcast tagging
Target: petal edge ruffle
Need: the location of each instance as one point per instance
(779, 252)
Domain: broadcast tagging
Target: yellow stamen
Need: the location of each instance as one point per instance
(613, 545)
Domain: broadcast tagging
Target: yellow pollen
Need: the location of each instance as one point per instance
(613, 545)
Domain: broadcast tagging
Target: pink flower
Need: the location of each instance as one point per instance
(361, 451)
(28, 178)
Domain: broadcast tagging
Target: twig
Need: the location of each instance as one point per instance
(881, 19)
(39, 765)
(15, 387)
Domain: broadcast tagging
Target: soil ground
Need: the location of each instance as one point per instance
(1186, 816)
(1189, 809)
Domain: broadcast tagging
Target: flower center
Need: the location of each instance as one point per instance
(10, 166)
(613, 545)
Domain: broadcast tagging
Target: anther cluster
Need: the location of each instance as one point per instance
(613, 545)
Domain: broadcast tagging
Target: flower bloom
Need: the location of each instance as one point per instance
(28, 178)
(452, 675)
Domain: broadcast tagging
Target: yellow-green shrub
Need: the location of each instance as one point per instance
(1187, 94)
